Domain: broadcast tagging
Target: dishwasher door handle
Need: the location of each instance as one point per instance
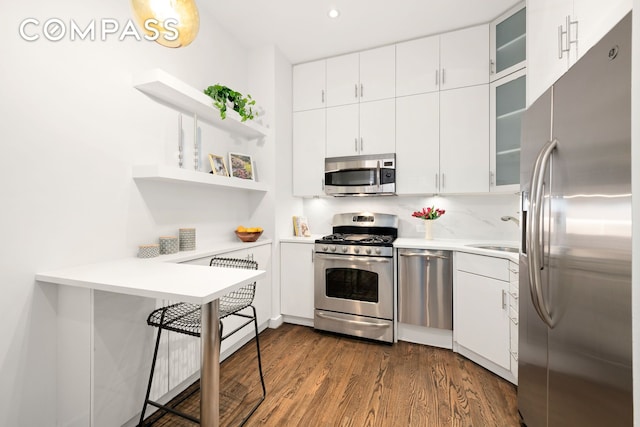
(424, 255)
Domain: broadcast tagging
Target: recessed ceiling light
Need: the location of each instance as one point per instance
(334, 13)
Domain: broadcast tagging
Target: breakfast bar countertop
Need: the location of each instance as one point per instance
(195, 284)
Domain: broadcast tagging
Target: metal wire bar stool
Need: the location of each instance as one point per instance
(184, 318)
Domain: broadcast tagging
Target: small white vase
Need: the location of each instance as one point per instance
(428, 229)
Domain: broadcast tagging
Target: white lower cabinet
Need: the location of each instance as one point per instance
(513, 316)
(296, 282)
(483, 312)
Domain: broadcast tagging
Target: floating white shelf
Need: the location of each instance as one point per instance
(168, 90)
(174, 174)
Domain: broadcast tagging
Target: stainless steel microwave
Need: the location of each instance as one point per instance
(368, 175)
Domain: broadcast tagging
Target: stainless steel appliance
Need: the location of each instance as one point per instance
(353, 291)
(360, 175)
(425, 288)
(575, 364)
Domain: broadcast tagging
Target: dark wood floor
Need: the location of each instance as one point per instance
(321, 379)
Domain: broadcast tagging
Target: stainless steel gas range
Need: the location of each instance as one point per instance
(354, 292)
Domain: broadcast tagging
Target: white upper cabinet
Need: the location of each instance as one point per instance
(508, 35)
(309, 91)
(595, 20)
(378, 74)
(361, 77)
(343, 131)
(308, 152)
(545, 19)
(464, 57)
(378, 127)
(560, 32)
(417, 66)
(464, 140)
(366, 128)
(343, 80)
(418, 143)
(446, 61)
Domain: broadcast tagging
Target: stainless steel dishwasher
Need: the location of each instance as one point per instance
(425, 288)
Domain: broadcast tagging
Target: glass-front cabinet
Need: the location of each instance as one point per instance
(508, 97)
(508, 42)
(508, 103)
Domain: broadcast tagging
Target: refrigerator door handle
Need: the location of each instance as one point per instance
(534, 232)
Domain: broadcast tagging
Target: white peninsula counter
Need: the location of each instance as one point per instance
(168, 280)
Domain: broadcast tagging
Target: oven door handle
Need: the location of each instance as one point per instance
(365, 259)
(353, 322)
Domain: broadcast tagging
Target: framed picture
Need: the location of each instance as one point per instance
(218, 165)
(241, 166)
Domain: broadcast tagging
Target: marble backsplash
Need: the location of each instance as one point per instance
(466, 217)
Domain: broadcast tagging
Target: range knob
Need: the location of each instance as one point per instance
(368, 251)
(356, 250)
(344, 249)
(378, 251)
(324, 248)
(333, 248)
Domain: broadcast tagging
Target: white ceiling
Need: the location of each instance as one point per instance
(303, 31)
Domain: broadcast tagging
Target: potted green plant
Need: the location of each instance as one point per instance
(223, 96)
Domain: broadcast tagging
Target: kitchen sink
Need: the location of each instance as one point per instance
(512, 249)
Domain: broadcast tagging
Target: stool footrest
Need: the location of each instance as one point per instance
(173, 411)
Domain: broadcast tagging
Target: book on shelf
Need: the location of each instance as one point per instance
(301, 226)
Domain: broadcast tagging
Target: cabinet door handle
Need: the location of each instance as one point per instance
(355, 140)
(492, 66)
(361, 90)
(567, 36)
(491, 175)
(356, 86)
(504, 299)
(443, 76)
(361, 144)
(323, 96)
(569, 40)
(313, 253)
(322, 180)
(560, 49)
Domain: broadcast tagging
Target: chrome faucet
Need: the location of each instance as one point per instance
(511, 218)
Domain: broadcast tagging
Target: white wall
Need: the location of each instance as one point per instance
(270, 80)
(72, 127)
(466, 217)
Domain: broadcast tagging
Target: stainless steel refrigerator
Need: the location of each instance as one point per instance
(575, 365)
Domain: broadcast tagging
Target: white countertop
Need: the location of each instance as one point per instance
(459, 245)
(300, 239)
(162, 277)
